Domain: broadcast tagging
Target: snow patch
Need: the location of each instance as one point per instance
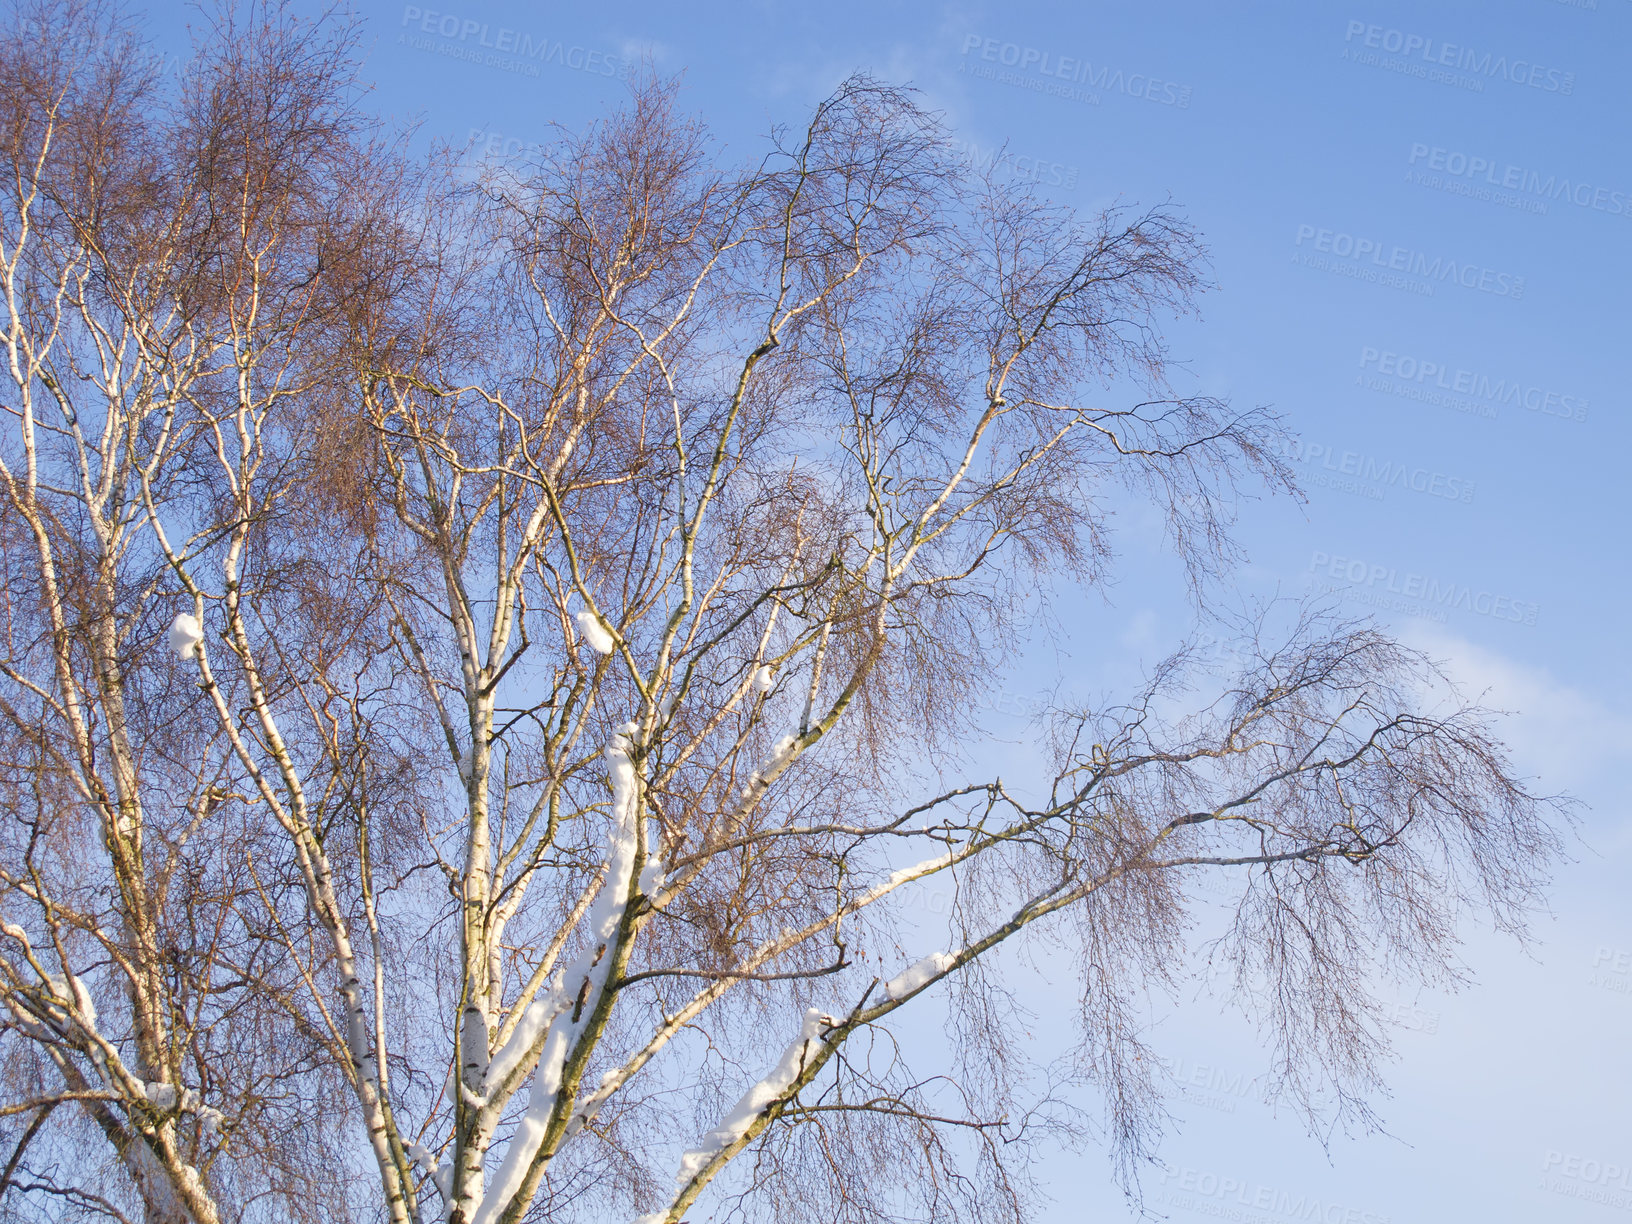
(764, 678)
(763, 1094)
(652, 876)
(585, 978)
(540, 1014)
(185, 634)
(781, 753)
(440, 1177)
(211, 1117)
(594, 632)
(75, 996)
(904, 874)
(187, 1100)
(919, 975)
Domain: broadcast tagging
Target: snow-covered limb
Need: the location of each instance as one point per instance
(919, 975)
(757, 1099)
(583, 981)
(776, 1087)
(170, 1186)
(471, 1099)
(781, 754)
(604, 914)
(535, 1020)
(764, 678)
(73, 993)
(765, 952)
(594, 632)
(440, 1177)
(905, 875)
(651, 876)
(185, 1100)
(545, 978)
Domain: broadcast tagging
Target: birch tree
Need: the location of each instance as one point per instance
(490, 654)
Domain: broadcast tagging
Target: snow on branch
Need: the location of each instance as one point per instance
(594, 632)
(919, 975)
(185, 1100)
(905, 875)
(185, 634)
(782, 753)
(583, 981)
(72, 994)
(441, 1176)
(652, 876)
(758, 1098)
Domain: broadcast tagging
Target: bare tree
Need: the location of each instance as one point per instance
(485, 655)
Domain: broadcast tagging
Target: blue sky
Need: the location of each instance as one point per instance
(1420, 218)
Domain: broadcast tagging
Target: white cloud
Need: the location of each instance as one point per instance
(1570, 739)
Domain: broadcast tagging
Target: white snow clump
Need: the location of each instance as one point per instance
(756, 1099)
(185, 634)
(652, 876)
(594, 631)
(909, 980)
